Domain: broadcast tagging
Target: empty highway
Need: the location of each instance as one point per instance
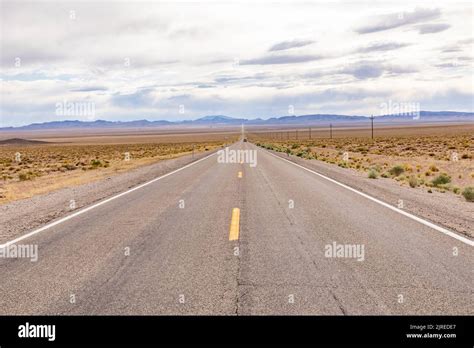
(232, 239)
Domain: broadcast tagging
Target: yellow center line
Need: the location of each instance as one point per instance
(234, 224)
(239, 175)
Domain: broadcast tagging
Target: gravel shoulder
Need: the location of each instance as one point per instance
(22, 216)
(445, 209)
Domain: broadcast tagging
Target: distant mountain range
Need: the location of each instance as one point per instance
(318, 119)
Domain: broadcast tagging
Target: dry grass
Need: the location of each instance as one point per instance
(412, 160)
(48, 167)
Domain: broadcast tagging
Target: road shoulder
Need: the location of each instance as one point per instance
(22, 216)
(444, 209)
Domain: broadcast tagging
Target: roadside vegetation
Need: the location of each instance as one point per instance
(46, 167)
(441, 163)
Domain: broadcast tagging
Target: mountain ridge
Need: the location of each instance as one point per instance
(439, 116)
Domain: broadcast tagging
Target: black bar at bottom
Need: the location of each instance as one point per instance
(347, 330)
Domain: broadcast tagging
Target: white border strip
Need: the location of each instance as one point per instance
(82, 211)
(413, 217)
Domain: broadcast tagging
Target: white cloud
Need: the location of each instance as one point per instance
(399, 19)
(286, 45)
(135, 62)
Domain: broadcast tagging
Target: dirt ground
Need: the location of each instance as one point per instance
(29, 169)
(437, 158)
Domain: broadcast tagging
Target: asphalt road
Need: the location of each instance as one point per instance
(146, 253)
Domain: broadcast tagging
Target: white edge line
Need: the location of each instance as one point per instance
(413, 217)
(84, 210)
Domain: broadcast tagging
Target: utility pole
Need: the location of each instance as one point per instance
(372, 122)
(330, 131)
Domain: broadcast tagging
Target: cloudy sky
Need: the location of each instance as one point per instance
(146, 59)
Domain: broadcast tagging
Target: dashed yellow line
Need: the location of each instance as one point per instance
(239, 175)
(234, 224)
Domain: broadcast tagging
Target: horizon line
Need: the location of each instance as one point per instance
(403, 114)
